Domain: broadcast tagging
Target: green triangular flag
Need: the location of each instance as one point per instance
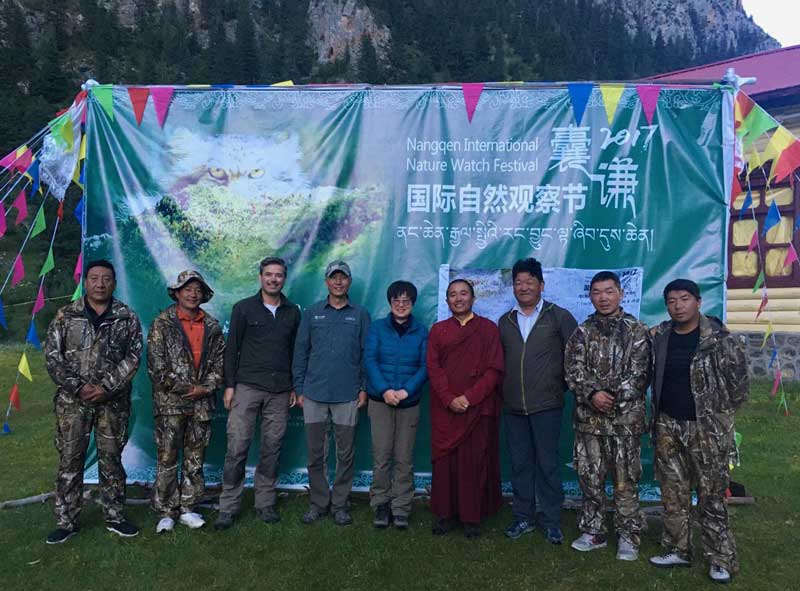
(759, 281)
(754, 125)
(78, 292)
(39, 224)
(49, 263)
(61, 128)
(104, 94)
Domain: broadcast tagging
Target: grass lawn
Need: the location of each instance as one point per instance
(322, 556)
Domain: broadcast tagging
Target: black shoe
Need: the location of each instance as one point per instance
(441, 527)
(122, 528)
(60, 535)
(313, 514)
(472, 531)
(268, 514)
(382, 513)
(400, 521)
(224, 521)
(342, 516)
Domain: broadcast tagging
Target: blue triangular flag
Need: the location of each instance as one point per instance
(3, 315)
(79, 211)
(33, 338)
(579, 95)
(772, 359)
(797, 224)
(82, 176)
(773, 217)
(6, 428)
(748, 201)
(33, 171)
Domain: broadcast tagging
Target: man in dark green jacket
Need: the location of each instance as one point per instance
(534, 334)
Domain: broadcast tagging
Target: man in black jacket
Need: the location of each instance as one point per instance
(534, 333)
(258, 380)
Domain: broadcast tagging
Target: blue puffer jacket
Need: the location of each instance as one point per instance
(395, 362)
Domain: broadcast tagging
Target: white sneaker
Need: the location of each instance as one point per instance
(626, 550)
(192, 520)
(719, 574)
(669, 560)
(588, 542)
(165, 524)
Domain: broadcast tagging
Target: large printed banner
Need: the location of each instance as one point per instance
(400, 181)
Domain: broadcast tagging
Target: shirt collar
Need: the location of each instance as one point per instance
(466, 320)
(184, 316)
(536, 310)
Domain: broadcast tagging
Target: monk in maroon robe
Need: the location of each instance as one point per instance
(465, 368)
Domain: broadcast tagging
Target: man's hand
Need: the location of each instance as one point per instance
(460, 404)
(227, 398)
(362, 399)
(91, 393)
(401, 395)
(293, 399)
(196, 392)
(391, 397)
(299, 400)
(603, 401)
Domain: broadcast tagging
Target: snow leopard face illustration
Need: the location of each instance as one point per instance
(252, 167)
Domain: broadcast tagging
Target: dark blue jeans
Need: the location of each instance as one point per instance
(535, 466)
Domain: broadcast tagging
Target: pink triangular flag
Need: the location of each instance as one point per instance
(776, 383)
(21, 204)
(24, 159)
(648, 94)
(763, 304)
(13, 397)
(753, 242)
(162, 95)
(39, 304)
(138, 98)
(791, 256)
(19, 271)
(8, 160)
(76, 275)
(3, 226)
(472, 94)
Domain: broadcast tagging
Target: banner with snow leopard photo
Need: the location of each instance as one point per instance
(399, 181)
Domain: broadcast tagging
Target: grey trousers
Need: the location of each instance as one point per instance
(248, 403)
(344, 417)
(394, 431)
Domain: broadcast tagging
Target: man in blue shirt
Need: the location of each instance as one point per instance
(330, 382)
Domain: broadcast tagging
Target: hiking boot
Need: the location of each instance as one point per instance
(626, 550)
(472, 531)
(554, 536)
(589, 542)
(224, 521)
(165, 524)
(441, 526)
(401, 521)
(669, 560)
(518, 529)
(381, 519)
(313, 514)
(192, 520)
(122, 528)
(60, 535)
(719, 574)
(342, 516)
(268, 514)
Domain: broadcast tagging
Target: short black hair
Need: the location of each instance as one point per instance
(605, 276)
(682, 285)
(529, 265)
(102, 263)
(272, 261)
(467, 281)
(399, 288)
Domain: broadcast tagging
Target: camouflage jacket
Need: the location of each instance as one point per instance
(171, 365)
(718, 374)
(76, 354)
(611, 354)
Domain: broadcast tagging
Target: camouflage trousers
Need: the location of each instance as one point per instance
(594, 456)
(74, 425)
(174, 433)
(686, 458)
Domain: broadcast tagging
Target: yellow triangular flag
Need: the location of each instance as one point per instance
(24, 368)
(611, 96)
(82, 151)
(780, 140)
(753, 161)
(284, 83)
(766, 334)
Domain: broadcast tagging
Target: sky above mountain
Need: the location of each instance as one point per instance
(779, 18)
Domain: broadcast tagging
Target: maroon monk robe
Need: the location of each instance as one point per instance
(465, 360)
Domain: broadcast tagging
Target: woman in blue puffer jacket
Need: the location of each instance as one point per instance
(394, 356)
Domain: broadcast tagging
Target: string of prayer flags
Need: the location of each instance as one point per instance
(24, 368)
(21, 205)
(19, 160)
(32, 337)
(579, 94)
(472, 94)
(648, 95)
(773, 217)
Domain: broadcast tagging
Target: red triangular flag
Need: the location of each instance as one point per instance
(19, 271)
(648, 94)
(13, 397)
(3, 226)
(22, 207)
(472, 94)
(76, 274)
(753, 242)
(161, 98)
(138, 98)
(60, 212)
(24, 160)
(39, 303)
(776, 383)
(788, 161)
(763, 304)
(744, 104)
(736, 187)
(791, 256)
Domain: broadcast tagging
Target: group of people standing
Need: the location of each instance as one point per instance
(331, 361)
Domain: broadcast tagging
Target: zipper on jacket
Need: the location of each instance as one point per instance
(512, 318)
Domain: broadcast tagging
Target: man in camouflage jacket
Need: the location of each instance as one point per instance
(92, 352)
(699, 380)
(185, 354)
(607, 364)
